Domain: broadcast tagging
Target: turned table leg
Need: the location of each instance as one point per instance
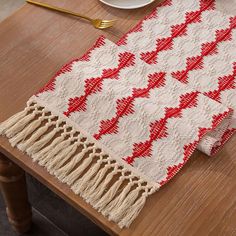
(13, 188)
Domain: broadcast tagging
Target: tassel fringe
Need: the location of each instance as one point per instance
(110, 188)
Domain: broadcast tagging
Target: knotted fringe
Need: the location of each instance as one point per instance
(66, 153)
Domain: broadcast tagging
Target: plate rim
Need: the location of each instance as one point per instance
(115, 6)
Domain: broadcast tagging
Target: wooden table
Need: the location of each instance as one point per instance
(34, 44)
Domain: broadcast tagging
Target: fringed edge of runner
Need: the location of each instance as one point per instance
(111, 188)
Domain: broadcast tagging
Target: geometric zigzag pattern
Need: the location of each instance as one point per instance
(94, 85)
(225, 83)
(177, 30)
(125, 106)
(124, 118)
(134, 112)
(167, 87)
(196, 47)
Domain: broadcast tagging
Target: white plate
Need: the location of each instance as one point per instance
(127, 4)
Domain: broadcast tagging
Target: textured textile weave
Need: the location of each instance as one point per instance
(195, 43)
(119, 122)
(138, 114)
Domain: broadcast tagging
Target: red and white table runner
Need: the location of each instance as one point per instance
(122, 120)
(194, 43)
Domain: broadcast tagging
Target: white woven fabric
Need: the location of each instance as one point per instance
(139, 115)
(226, 7)
(119, 122)
(195, 43)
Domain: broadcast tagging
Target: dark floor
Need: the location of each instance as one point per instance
(41, 226)
(51, 215)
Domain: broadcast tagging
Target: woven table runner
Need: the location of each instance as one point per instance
(195, 44)
(116, 127)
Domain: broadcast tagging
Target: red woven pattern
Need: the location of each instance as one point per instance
(94, 85)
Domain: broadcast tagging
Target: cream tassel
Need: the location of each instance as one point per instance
(33, 138)
(4, 126)
(38, 145)
(19, 125)
(133, 211)
(117, 213)
(96, 180)
(44, 152)
(52, 152)
(101, 188)
(61, 158)
(70, 153)
(77, 172)
(21, 136)
(110, 194)
(65, 172)
(83, 183)
(118, 200)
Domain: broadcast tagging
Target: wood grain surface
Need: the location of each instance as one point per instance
(34, 44)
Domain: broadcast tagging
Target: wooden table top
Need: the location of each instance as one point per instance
(34, 44)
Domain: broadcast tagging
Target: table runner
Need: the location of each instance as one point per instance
(196, 44)
(114, 128)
